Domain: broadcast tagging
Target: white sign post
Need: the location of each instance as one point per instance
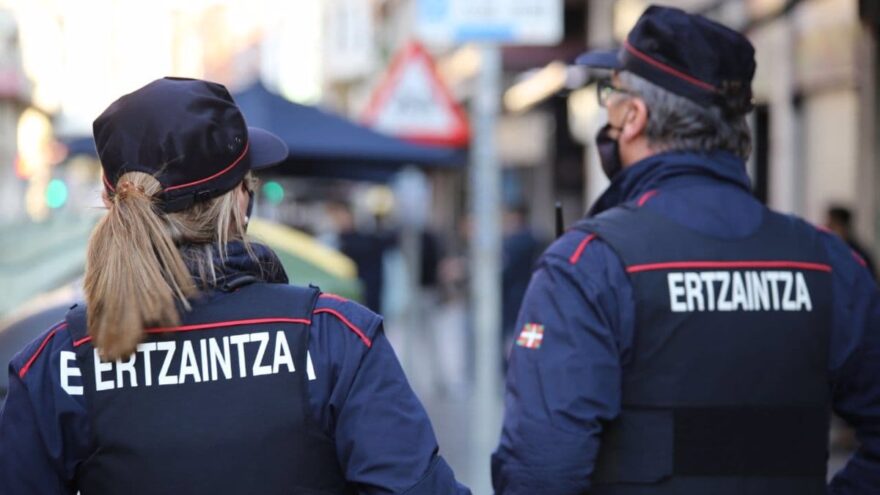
(485, 281)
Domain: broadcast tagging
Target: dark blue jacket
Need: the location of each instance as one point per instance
(360, 398)
(561, 392)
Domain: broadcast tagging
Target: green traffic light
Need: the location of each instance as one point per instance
(273, 191)
(56, 193)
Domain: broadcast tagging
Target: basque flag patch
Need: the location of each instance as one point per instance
(531, 336)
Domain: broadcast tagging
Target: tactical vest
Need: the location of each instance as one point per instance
(218, 404)
(727, 390)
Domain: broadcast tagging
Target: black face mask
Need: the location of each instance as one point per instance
(609, 152)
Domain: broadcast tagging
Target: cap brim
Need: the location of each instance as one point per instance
(604, 59)
(265, 149)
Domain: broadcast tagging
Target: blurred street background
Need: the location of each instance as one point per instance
(431, 141)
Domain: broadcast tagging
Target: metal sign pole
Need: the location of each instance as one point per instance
(485, 179)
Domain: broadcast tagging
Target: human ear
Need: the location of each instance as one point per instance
(635, 121)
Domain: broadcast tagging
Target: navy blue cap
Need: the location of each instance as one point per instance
(688, 55)
(187, 133)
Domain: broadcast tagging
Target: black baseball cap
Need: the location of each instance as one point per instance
(187, 133)
(686, 54)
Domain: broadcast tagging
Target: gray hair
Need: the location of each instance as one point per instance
(676, 123)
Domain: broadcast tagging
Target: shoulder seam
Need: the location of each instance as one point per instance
(573, 259)
(327, 295)
(645, 197)
(354, 328)
(859, 258)
(829, 239)
(27, 365)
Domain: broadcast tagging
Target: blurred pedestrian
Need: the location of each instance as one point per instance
(839, 220)
(195, 367)
(520, 249)
(453, 332)
(366, 249)
(683, 338)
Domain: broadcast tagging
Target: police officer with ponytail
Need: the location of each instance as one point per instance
(683, 339)
(193, 367)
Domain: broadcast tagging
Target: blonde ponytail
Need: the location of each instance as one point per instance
(135, 275)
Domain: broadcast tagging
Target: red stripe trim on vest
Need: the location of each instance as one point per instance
(580, 249)
(669, 70)
(645, 197)
(27, 366)
(206, 179)
(347, 323)
(326, 295)
(209, 326)
(799, 265)
(859, 258)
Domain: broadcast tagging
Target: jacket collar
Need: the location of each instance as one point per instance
(238, 266)
(672, 169)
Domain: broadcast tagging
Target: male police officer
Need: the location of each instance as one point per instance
(684, 339)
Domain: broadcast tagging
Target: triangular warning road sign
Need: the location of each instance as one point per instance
(412, 103)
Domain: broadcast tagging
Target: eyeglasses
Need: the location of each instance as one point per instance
(606, 88)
